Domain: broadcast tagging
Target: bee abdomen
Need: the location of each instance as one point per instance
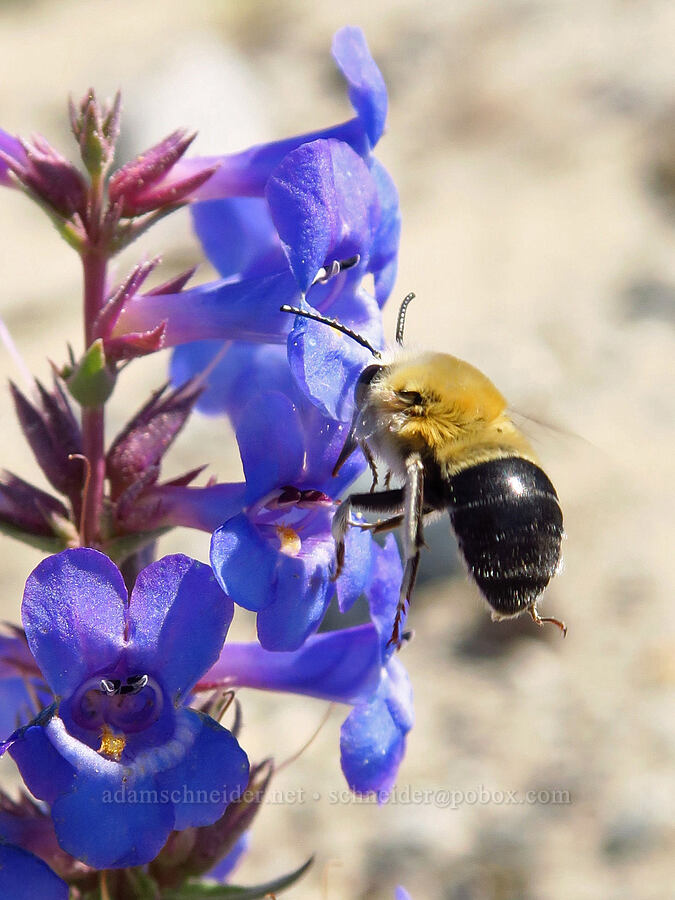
(509, 527)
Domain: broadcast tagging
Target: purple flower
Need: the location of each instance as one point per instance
(272, 550)
(354, 666)
(275, 557)
(246, 174)
(270, 218)
(24, 875)
(223, 869)
(12, 153)
(322, 203)
(118, 756)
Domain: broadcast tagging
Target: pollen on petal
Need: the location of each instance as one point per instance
(112, 744)
(289, 540)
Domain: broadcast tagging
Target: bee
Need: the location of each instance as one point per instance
(443, 430)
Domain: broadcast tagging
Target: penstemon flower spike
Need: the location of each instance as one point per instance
(108, 705)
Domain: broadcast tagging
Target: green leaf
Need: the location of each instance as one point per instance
(92, 381)
(199, 890)
(39, 541)
(120, 548)
(142, 886)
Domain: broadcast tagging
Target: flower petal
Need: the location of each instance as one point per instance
(211, 775)
(367, 90)
(238, 236)
(196, 507)
(109, 822)
(244, 563)
(223, 869)
(24, 876)
(383, 261)
(371, 748)
(341, 666)
(43, 768)
(245, 174)
(372, 737)
(359, 554)
(384, 590)
(271, 444)
(240, 374)
(244, 310)
(324, 204)
(73, 611)
(301, 596)
(179, 617)
(13, 148)
(326, 363)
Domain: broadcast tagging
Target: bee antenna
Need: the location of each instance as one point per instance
(400, 322)
(333, 323)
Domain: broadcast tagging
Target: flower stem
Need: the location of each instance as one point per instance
(93, 422)
(94, 268)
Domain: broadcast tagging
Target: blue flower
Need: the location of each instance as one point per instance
(270, 218)
(24, 876)
(354, 666)
(119, 758)
(275, 557)
(245, 174)
(322, 203)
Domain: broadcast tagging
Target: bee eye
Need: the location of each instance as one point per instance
(411, 398)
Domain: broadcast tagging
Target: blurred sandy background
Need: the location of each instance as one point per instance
(533, 144)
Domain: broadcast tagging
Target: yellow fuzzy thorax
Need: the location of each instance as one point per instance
(462, 419)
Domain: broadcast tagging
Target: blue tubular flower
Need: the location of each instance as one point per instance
(245, 174)
(276, 556)
(271, 217)
(118, 758)
(355, 666)
(324, 204)
(24, 876)
(373, 736)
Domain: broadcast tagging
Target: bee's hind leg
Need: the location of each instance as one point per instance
(541, 620)
(383, 503)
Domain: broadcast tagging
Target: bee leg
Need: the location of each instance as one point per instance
(541, 620)
(413, 538)
(370, 459)
(387, 479)
(381, 525)
(383, 502)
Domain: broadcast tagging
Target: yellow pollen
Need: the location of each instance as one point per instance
(289, 540)
(112, 744)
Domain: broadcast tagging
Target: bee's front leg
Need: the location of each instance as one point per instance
(413, 537)
(386, 502)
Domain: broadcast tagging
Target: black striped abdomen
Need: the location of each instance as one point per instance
(508, 523)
